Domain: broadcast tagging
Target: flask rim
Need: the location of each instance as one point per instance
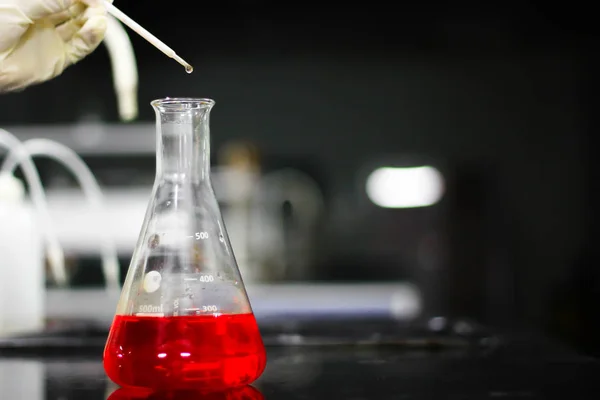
(179, 103)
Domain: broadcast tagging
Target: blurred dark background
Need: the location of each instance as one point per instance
(500, 98)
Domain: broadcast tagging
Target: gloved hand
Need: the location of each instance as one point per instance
(40, 38)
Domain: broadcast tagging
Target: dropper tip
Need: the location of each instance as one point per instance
(188, 68)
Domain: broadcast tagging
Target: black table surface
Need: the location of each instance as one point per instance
(502, 367)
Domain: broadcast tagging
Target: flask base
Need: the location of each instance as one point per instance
(202, 353)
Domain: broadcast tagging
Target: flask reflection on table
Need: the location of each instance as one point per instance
(243, 393)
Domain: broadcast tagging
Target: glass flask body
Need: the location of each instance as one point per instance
(183, 320)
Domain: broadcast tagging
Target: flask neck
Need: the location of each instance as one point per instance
(183, 139)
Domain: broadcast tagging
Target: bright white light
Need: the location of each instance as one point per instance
(405, 187)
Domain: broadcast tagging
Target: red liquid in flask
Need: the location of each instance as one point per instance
(203, 352)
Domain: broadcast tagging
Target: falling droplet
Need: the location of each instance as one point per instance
(189, 69)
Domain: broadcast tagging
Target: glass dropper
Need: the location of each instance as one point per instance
(121, 16)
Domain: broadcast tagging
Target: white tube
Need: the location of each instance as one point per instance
(90, 187)
(54, 250)
(124, 69)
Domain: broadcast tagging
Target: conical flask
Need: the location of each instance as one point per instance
(183, 320)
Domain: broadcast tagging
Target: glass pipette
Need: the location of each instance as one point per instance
(118, 14)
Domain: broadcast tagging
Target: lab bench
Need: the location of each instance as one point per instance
(523, 368)
(316, 351)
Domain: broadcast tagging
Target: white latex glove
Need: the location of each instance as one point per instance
(40, 38)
